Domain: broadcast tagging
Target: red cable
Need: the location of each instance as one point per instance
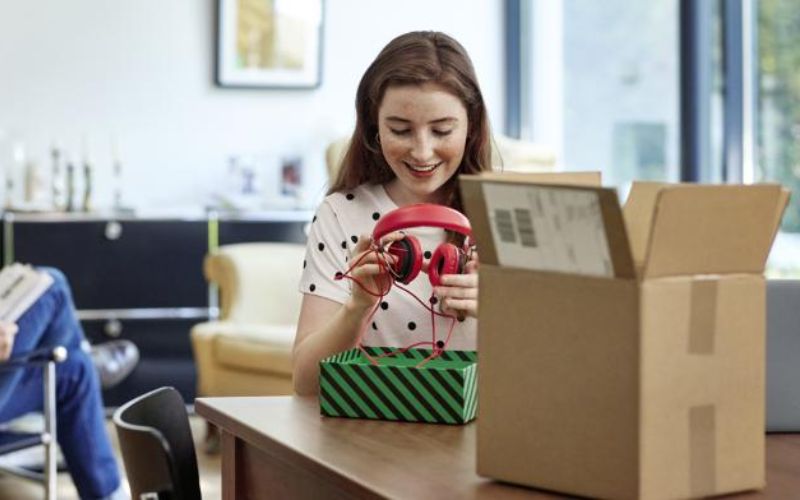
(435, 349)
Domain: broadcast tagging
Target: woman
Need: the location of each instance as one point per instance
(421, 121)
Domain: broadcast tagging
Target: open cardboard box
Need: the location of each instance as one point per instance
(622, 357)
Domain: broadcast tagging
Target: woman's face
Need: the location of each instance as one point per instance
(423, 130)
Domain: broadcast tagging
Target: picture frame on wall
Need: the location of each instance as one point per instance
(269, 43)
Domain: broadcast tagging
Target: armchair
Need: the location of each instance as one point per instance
(248, 351)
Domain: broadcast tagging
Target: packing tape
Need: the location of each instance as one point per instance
(702, 450)
(702, 418)
(702, 316)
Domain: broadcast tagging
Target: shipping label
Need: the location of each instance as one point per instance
(548, 228)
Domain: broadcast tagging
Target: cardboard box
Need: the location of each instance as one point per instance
(634, 367)
(442, 391)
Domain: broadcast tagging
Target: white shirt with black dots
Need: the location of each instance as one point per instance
(400, 320)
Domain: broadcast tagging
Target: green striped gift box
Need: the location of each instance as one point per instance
(443, 390)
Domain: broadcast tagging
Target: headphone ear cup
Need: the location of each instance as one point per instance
(446, 259)
(409, 258)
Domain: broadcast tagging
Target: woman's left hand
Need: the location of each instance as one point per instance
(458, 293)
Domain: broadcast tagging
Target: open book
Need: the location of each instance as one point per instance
(20, 286)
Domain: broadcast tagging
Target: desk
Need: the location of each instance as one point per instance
(280, 447)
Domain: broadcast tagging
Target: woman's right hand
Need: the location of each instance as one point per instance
(370, 272)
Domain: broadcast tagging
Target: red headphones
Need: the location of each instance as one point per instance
(446, 259)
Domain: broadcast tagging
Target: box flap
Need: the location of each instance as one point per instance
(783, 202)
(711, 229)
(588, 178)
(520, 222)
(638, 214)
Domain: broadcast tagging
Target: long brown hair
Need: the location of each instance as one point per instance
(415, 58)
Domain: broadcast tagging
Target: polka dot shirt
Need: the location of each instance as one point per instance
(341, 220)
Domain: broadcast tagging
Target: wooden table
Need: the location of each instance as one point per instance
(280, 447)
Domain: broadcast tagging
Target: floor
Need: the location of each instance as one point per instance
(209, 465)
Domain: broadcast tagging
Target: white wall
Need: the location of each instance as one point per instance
(142, 71)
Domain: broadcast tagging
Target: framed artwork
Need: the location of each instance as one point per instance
(269, 43)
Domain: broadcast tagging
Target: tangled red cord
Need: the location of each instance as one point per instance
(437, 347)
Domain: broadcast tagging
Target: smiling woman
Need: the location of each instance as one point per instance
(422, 131)
(436, 68)
(421, 121)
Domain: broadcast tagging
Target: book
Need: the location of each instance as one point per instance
(20, 286)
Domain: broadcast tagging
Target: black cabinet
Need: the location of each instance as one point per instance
(244, 231)
(121, 264)
(141, 279)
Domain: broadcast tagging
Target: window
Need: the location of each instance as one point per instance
(778, 121)
(603, 84)
(664, 90)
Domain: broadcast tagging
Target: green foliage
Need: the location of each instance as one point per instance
(779, 87)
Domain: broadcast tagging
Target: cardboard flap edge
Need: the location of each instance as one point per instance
(712, 229)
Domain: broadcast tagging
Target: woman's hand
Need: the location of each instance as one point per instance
(369, 271)
(458, 294)
(7, 333)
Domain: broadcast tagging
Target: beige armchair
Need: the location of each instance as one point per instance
(248, 351)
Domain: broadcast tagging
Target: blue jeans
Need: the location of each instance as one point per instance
(82, 436)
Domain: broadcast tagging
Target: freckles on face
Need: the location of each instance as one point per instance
(423, 132)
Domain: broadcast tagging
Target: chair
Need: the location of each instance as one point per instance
(248, 351)
(13, 441)
(157, 447)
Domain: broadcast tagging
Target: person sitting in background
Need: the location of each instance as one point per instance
(51, 321)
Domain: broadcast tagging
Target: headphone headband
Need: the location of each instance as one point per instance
(422, 214)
